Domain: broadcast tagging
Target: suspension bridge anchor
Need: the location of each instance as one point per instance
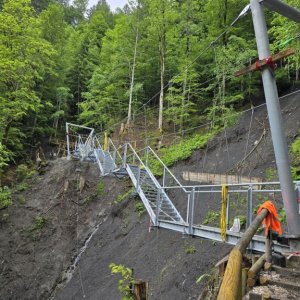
(269, 61)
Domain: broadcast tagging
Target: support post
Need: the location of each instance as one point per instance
(125, 155)
(249, 205)
(157, 207)
(147, 156)
(164, 177)
(269, 247)
(275, 119)
(138, 175)
(230, 288)
(191, 211)
(114, 157)
(283, 9)
(228, 213)
(68, 141)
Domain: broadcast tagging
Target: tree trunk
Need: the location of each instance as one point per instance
(129, 117)
(162, 73)
(162, 47)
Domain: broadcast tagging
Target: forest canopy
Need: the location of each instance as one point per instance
(60, 61)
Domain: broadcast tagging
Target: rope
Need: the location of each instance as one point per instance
(224, 195)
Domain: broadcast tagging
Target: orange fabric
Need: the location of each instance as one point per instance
(271, 220)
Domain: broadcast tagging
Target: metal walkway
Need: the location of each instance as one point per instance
(155, 194)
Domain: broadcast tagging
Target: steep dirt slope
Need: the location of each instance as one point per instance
(35, 255)
(160, 257)
(46, 225)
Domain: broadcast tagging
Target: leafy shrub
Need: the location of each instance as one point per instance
(191, 249)
(139, 208)
(282, 215)
(295, 153)
(39, 223)
(122, 197)
(211, 216)
(4, 156)
(125, 282)
(295, 148)
(183, 150)
(5, 197)
(22, 172)
(22, 186)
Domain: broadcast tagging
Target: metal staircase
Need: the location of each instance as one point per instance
(139, 165)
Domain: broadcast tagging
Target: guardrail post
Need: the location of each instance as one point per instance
(188, 208)
(228, 212)
(138, 175)
(124, 156)
(164, 177)
(68, 141)
(157, 206)
(147, 157)
(249, 205)
(298, 194)
(191, 211)
(114, 156)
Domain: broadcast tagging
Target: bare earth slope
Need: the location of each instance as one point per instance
(34, 257)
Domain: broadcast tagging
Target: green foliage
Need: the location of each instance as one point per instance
(295, 147)
(124, 196)
(4, 156)
(180, 151)
(282, 215)
(22, 186)
(24, 171)
(125, 282)
(296, 173)
(270, 174)
(139, 208)
(39, 223)
(59, 62)
(100, 188)
(35, 230)
(211, 217)
(5, 197)
(191, 249)
(295, 155)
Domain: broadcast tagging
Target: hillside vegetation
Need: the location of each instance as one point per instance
(61, 62)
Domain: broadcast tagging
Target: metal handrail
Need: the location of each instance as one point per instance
(229, 185)
(135, 154)
(168, 170)
(115, 148)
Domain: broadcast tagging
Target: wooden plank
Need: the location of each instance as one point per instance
(231, 284)
(231, 281)
(263, 62)
(252, 273)
(140, 290)
(218, 178)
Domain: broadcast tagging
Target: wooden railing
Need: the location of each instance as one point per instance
(231, 288)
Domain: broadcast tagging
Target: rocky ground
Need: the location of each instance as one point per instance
(44, 233)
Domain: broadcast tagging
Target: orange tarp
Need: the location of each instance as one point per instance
(271, 221)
